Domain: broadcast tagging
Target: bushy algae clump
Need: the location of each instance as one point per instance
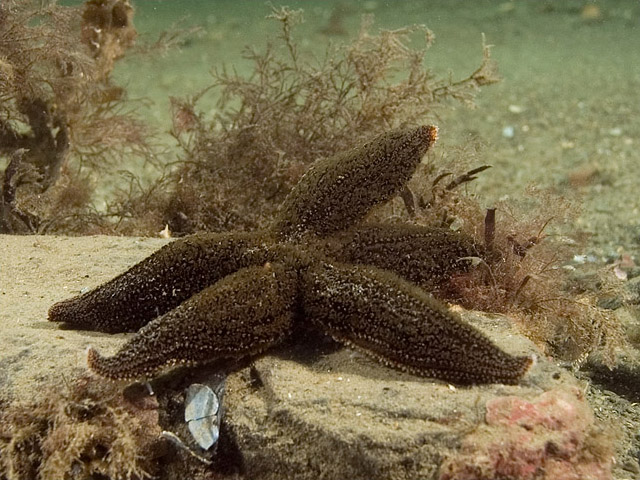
(62, 119)
(239, 165)
(85, 429)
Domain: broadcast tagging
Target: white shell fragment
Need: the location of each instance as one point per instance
(202, 413)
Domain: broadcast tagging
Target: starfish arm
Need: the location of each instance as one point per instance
(337, 192)
(243, 314)
(427, 256)
(161, 282)
(403, 326)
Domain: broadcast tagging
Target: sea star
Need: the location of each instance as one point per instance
(212, 296)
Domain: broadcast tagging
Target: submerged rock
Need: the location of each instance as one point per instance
(345, 416)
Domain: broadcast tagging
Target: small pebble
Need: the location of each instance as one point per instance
(591, 13)
(506, 7)
(619, 273)
(631, 466)
(585, 258)
(508, 132)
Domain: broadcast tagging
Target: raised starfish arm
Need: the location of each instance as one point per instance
(161, 282)
(241, 315)
(337, 192)
(402, 326)
(427, 256)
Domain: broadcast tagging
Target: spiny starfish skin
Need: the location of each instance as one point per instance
(337, 192)
(212, 324)
(161, 282)
(236, 294)
(426, 256)
(402, 326)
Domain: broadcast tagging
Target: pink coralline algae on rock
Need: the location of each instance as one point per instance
(552, 437)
